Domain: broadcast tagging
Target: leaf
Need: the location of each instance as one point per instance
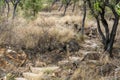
(97, 6)
(117, 9)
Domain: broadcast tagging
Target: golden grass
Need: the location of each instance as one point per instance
(22, 32)
(84, 72)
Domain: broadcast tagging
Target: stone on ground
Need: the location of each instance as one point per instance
(38, 70)
(33, 76)
(20, 78)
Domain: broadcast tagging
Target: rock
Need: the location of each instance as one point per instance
(20, 78)
(63, 62)
(17, 59)
(38, 70)
(33, 76)
(39, 63)
(74, 59)
(72, 62)
(73, 45)
(91, 44)
(6, 65)
(9, 57)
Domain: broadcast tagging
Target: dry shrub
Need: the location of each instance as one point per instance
(70, 19)
(27, 36)
(44, 21)
(89, 23)
(62, 33)
(87, 71)
(5, 31)
(40, 34)
(84, 72)
(15, 34)
(32, 34)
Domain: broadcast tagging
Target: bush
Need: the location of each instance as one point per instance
(31, 7)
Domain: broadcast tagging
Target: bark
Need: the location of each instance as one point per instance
(8, 5)
(108, 38)
(98, 22)
(66, 6)
(112, 36)
(84, 17)
(74, 6)
(53, 3)
(100, 31)
(60, 7)
(114, 30)
(105, 24)
(15, 6)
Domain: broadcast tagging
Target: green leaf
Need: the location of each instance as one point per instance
(97, 6)
(117, 9)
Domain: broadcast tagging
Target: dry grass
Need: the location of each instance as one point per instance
(27, 33)
(92, 71)
(44, 31)
(84, 72)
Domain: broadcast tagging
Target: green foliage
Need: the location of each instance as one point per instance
(10, 76)
(47, 4)
(31, 7)
(49, 1)
(1, 7)
(63, 1)
(97, 5)
(1, 3)
(113, 2)
(117, 9)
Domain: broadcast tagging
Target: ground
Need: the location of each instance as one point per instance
(60, 53)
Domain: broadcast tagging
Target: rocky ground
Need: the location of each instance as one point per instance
(49, 66)
(85, 64)
(72, 60)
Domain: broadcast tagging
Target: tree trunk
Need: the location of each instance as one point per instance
(100, 31)
(66, 6)
(8, 5)
(60, 7)
(114, 30)
(112, 36)
(84, 17)
(74, 6)
(105, 24)
(15, 6)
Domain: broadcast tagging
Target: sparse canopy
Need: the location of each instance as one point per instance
(32, 7)
(98, 9)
